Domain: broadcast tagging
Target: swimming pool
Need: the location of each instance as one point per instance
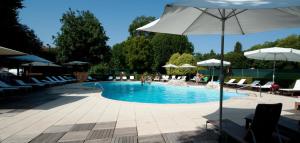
(159, 93)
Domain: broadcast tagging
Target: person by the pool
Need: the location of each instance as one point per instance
(142, 79)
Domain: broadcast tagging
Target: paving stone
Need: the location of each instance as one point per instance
(100, 134)
(47, 138)
(74, 136)
(151, 139)
(58, 129)
(83, 127)
(125, 139)
(173, 138)
(72, 142)
(125, 132)
(105, 125)
(107, 140)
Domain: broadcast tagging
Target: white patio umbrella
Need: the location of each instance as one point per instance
(170, 66)
(187, 66)
(274, 54)
(212, 63)
(188, 17)
(10, 52)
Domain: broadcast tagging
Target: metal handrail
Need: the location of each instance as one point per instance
(249, 85)
(99, 86)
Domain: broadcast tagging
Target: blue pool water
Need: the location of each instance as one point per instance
(159, 93)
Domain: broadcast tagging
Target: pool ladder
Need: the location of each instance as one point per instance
(236, 90)
(99, 86)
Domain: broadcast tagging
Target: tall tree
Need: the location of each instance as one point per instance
(164, 45)
(139, 22)
(119, 57)
(238, 48)
(15, 35)
(82, 37)
(139, 54)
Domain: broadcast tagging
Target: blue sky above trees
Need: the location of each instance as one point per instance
(116, 15)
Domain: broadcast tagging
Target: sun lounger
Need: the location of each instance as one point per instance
(110, 78)
(70, 78)
(165, 78)
(173, 77)
(179, 77)
(58, 80)
(52, 80)
(21, 82)
(39, 82)
(5, 85)
(63, 79)
(268, 85)
(230, 82)
(124, 77)
(183, 78)
(296, 88)
(204, 80)
(131, 77)
(156, 78)
(118, 78)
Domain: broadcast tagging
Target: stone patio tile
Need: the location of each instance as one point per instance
(83, 127)
(74, 136)
(126, 124)
(125, 132)
(151, 139)
(58, 129)
(105, 125)
(107, 140)
(125, 139)
(100, 134)
(47, 138)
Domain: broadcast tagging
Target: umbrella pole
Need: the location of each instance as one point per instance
(221, 73)
(274, 64)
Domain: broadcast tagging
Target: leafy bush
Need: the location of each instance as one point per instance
(100, 69)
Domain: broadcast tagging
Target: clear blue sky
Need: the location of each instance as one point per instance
(43, 17)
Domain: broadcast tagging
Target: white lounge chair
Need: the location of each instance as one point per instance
(173, 77)
(118, 78)
(240, 83)
(156, 78)
(110, 78)
(52, 80)
(165, 78)
(183, 78)
(39, 82)
(296, 88)
(268, 85)
(63, 79)
(124, 77)
(131, 77)
(58, 80)
(179, 77)
(193, 79)
(230, 82)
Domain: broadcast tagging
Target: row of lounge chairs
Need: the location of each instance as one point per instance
(167, 78)
(20, 85)
(117, 78)
(267, 85)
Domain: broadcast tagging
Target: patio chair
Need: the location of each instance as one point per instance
(179, 77)
(296, 88)
(230, 82)
(263, 128)
(131, 77)
(21, 82)
(254, 83)
(110, 78)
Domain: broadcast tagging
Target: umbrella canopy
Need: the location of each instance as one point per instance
(170, 66)
(187, 17)
(30, 58)
(76, 63)
(10, 52)
(212, 63)
(40, 64)
(187, 66)
(274, 54)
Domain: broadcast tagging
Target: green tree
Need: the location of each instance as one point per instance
(164, 45)
(82, 37)
(139, 54)
(238, 48)
(139, 22)
(119, 57)
(15, 35)
(179, 60)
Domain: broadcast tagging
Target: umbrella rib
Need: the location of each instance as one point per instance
(237, 13)
(240, 26)
(203, 11)
(232, 12)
